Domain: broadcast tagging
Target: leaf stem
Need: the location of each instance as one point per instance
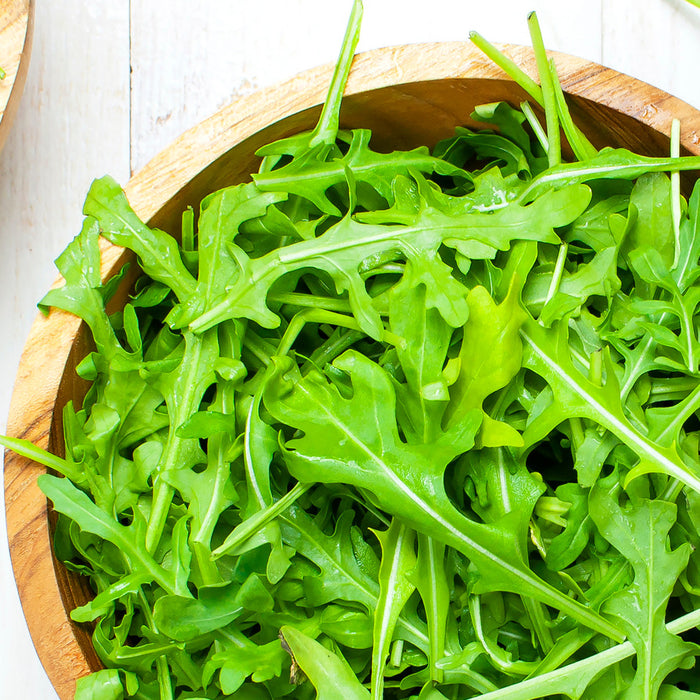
(323, 316)
(535, 125)
(676, 193)
(27, 449)
(580, 145)
(257, 347)
(256, 522)
(331, 348)
(558, 272)
(548, 97)
(530, 86)
(509, 66)
(310, 300)
(327, 128)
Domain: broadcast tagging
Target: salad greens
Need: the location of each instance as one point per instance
(420, 424)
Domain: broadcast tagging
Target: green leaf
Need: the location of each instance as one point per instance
(183, 389)
(547, 354)
(651, 197)
(79, 264)
(489, 358)
(639, 531)
(427, 337)
(330, 673)
(650, 266)
(221, 216)
(599, 277)
(103, 602)
(430, 578)
(573, 679)
(568, 545)
(395, 588)
(617, 163)
(344, 575)
(184, 619)
(158, 252)
(507, 153)
(236, 658)
(70, 501)
(311, 175)
(345, 246)
(101, 685)
(344, 443)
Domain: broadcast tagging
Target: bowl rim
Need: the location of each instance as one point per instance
(35, 393)
(20, 33)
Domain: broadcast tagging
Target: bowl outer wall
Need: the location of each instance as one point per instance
(407, 95)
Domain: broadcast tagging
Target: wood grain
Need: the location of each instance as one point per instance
(407, 95)
(16, 31)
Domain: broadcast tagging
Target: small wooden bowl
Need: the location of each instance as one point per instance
(16, 32)
(408, 96)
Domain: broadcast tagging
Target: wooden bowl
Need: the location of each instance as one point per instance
(16, 32)
(408, 96)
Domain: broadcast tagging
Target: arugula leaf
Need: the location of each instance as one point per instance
(310, 175)
(430, 579)
(353, 450)
(575, 396)
(102, 685)
(639, 531)
(185, 618)
(342, 248)
(183, 389)
(489, 358)
(70, 501)
(568, 545)
(616, 163)
(342, 576)
(395, 588)
(329, 672)
(158, 252)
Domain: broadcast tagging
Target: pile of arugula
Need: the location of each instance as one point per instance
(402, 425)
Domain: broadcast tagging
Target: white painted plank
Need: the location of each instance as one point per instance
(657, 41)
(72, 124)
(188, 59)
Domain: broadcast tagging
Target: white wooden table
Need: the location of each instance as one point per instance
(114, 81)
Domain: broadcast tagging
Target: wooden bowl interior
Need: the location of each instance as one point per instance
(411, 111)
